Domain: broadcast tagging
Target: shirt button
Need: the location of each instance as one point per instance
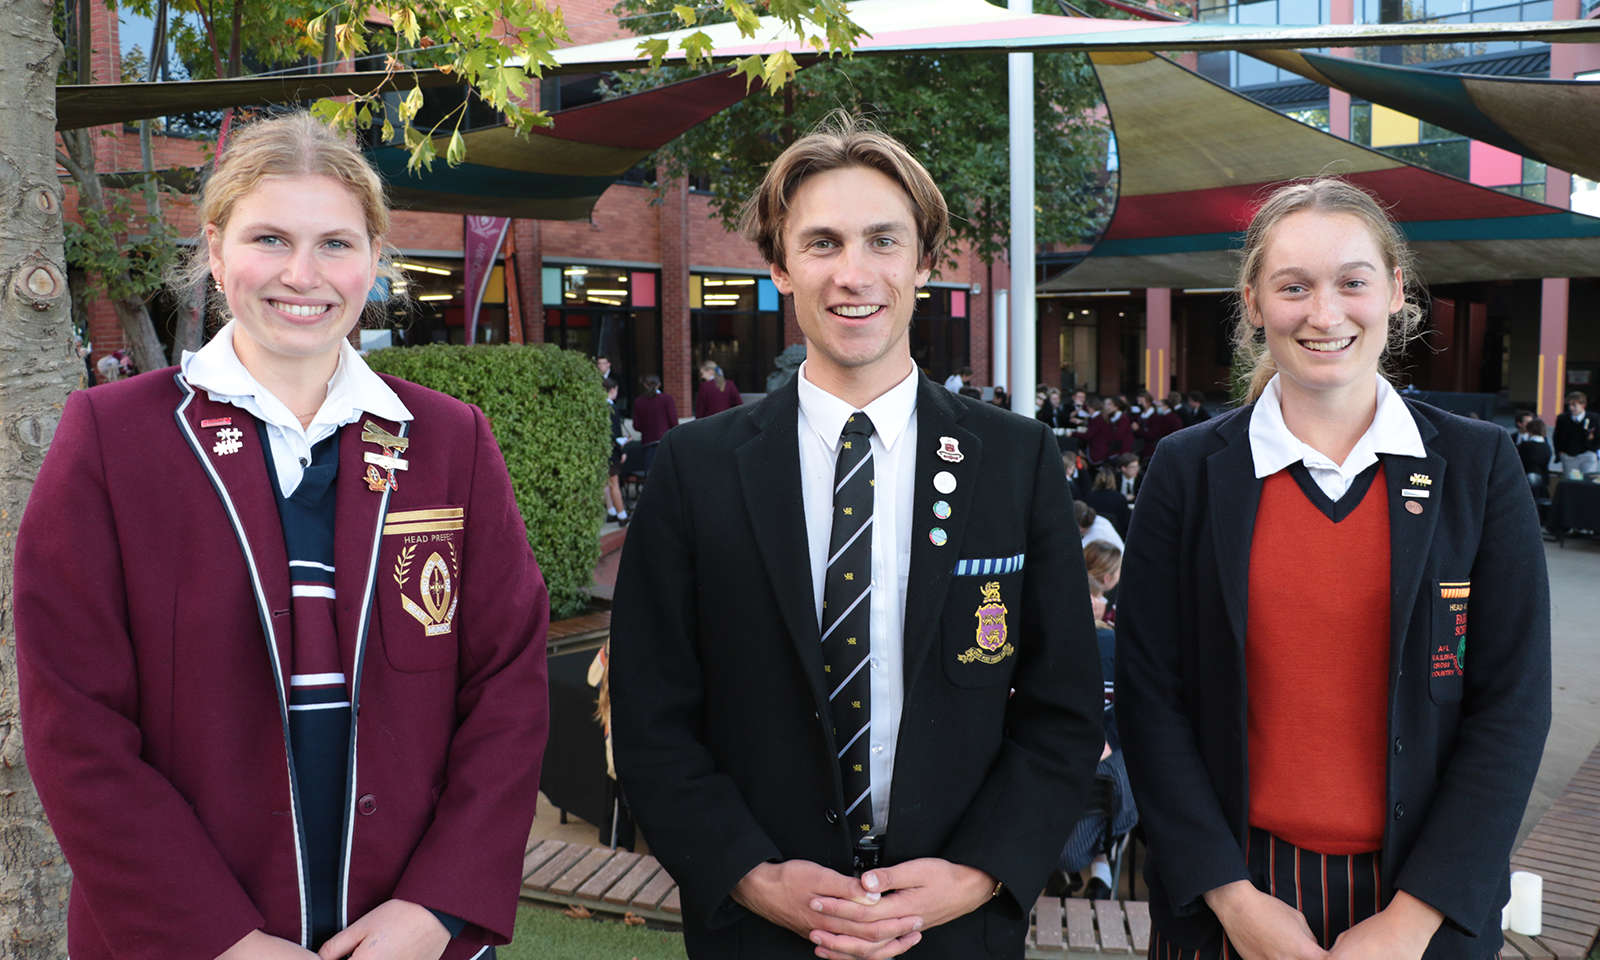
(830, 815)
(1399, 810)
(877, 663)
(877, 748)
(368, 804)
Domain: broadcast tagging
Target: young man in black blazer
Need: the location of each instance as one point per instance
(814, 790)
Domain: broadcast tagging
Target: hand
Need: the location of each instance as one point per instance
(789, 894)
(1401, 931)
(1260, 926)
(927, 892)
(393, 930)
(256, 945)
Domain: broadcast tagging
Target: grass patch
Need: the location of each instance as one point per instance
(545, 933)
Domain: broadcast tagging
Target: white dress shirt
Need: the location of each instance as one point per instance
(894, 462)
(352, 391)
(1273, 447)
(1102, 530)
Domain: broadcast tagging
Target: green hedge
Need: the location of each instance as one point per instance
(549, 415)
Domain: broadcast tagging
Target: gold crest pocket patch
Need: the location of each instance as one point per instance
(422, 559)
(992, 646)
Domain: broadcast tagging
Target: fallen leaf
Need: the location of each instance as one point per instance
(633, 920)
(578, 912)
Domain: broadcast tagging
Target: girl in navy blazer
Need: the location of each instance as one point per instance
(1333, 655)
(280, 636)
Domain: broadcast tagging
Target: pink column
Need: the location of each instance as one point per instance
(1341, 11)
(1552, 347)
(1158, 340)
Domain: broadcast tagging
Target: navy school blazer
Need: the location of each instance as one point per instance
(1464, 743)
(719, 711)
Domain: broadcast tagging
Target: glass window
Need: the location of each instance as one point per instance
(608, 312)
(939, 332)
(1216, 65)
(735, 322)
(432, 308)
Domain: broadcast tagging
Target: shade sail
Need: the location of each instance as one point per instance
(1196, 159)
(973, 26)
(557, 172)
(1554, 121)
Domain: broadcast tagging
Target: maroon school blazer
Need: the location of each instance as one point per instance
(152, 608)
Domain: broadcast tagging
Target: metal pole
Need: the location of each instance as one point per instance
(1001, 323)
(1023, 304)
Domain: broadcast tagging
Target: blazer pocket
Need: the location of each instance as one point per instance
(1447, 657)
(981, 651)
(419, 587)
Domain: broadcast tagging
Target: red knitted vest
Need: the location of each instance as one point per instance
(1317, 666)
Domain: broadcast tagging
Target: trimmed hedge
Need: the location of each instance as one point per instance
(550, 418)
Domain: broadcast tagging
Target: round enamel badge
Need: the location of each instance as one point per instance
(944, 481)
(938, 537)
(941, 509)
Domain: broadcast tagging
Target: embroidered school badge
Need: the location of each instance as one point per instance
(435, 586)
(991, 636)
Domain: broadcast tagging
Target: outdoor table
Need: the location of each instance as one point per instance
(1575, 506)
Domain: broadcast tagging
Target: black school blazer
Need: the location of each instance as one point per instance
(1464, 745)
(719, 709)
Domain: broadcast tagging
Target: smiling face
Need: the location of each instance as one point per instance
(295, 264)
(1324, 296)
(853, 266)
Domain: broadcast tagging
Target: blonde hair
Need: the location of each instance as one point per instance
(843, 140)
(1253, 363)
(1101, 561)
(294, 144)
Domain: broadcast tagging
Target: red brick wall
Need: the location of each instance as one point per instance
(591, 21)
(673, 228)
(530, 279)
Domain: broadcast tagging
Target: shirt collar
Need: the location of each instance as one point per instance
(1273, 446)
(352, 390)
(890, 413)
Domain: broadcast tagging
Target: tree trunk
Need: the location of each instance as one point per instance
(38, 368)
(137, 328)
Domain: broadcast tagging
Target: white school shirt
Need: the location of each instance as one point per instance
(1273, 447)
(353, 390)
(894, 462)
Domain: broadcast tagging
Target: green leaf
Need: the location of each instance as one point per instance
(655, 48)
(696, 46)
(686, 14)
(750, 68)
(457, 151)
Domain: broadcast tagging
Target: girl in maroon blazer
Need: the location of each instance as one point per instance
(284, 682)
(716, 392)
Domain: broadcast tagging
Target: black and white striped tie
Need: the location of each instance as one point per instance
(846, 619)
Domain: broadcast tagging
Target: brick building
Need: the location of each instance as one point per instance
(651, 279)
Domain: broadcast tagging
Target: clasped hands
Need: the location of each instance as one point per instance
(393, 930)
(1262, 927)
(880, 914)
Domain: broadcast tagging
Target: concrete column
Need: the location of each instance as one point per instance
(1553, 296)
(1158, 340)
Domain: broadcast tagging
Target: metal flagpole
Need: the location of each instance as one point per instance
(1022, 228)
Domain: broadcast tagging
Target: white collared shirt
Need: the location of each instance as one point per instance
(1273, 447)
(894, 464)
(352, 390)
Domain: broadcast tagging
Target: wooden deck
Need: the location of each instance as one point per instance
(1564, 849)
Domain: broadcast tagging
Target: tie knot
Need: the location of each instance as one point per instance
(858, 425)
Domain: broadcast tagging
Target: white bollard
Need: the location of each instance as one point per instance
(1527, 903)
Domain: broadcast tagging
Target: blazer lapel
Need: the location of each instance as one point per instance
(769, 475)
(928, 580)
(1410, 533)
(225, 440)
(1234, 492)
(359, 513)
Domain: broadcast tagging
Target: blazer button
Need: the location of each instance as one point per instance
(368, 804)
(1399, 810)
(1397, 746)
(831, 815)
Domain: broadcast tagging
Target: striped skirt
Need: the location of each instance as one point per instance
(1333, 892)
